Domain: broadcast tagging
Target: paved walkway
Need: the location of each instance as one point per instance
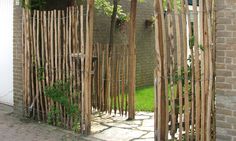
(104, 128)
(117, 128)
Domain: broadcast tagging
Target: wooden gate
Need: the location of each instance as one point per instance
(56, 60)
(185, 76)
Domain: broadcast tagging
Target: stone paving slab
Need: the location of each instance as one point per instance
(116, 128)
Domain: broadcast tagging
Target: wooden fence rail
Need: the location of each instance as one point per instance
(184, 76)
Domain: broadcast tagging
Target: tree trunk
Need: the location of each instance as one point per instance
(108, 84)
(112, 27)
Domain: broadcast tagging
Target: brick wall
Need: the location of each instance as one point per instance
(226, 70)
(145, 39)
(17, 59)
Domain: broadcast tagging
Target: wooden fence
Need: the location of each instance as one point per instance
(54, 68)
(52, 76)
(110, 80)
(184, 76)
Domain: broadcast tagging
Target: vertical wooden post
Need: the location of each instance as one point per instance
(210, 94)
(160, 96)
(179, 63)
(170, 22)
(204, 65)
(88, 67)
(186, 83)
(132, 59)
(197, 69)
(82, 66)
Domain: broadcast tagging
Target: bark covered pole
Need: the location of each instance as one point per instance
(132, 60)
(160, 131)
(112, 27)
(88, 68)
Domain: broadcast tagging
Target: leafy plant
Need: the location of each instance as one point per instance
(172, 4)
(58, 92)
(33, 4)
(107, 8)
(54, 115)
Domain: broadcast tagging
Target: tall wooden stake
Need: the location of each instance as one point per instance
(197, 69)
(160, 99)
(186, 83)
(88, 68)
(210, 95)
(132, 59)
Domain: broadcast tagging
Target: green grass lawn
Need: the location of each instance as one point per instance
(144, 99)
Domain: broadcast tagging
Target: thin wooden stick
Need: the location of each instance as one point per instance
(46, 59)
(98, 77)
(59, 56)
(103, 91)
(52, 47)
(38, 65)
(203, 65)
(33, 59)
(126, 80)
(49, 57)
(108, 83)
(101, 87)
(55, 43)
(210, 95)
(56, 56)
(59, 44)
(118, 84)
(172, 63)
(186, 85)
(64, 58)
(67, 60)
(42, 71)
(77, 61)
(82, 70)
(114, 79)
(197, 71)
(123, 82)
(41, 65)
(52, 55)
(73, 48)
(111, 69)
(70, 62)
(179, 60)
